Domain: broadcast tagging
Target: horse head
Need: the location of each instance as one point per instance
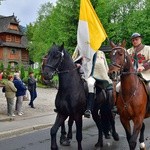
(53, 61)
(118, 58)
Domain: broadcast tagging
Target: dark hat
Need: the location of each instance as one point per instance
(135, 35)
(31, 72)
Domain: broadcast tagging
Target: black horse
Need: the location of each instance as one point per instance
(71, 97)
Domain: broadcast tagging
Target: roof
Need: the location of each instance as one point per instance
(5, 21)
(9, 44)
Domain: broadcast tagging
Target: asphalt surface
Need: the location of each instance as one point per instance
(43, 116)
(33, 119)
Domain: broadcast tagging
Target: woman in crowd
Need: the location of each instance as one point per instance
(10, 93)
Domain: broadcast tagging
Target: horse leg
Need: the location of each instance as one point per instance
(78, 122)
(127, 127)
(70, 124)
(136, 129)
(112, 122)
(58, 122)
(141, 139)
(110, 115)
(65, 141)
(97, 120)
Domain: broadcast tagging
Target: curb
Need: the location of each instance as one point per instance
(21, 131)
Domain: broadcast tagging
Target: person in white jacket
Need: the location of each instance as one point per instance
(99, 72)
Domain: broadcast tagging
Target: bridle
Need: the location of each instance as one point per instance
(121, 67)
(56, 69)
(114, 50)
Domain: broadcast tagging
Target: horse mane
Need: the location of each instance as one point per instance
(129, 65)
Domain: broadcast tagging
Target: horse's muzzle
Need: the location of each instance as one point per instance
(114, 75)
(47, 76)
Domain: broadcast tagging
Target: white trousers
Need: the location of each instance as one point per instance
(91, 84)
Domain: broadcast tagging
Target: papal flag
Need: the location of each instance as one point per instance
(90, 34)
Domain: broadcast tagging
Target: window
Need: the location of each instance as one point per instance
(13, 51)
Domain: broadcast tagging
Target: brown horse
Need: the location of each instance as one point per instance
(131, 101)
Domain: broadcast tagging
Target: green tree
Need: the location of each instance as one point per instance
(1, 1)
(30, 69)
(8, 70)
(1, 67)
(59, 23)
(22, 72)
(17, 68)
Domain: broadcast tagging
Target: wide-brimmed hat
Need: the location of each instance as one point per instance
(135, 35)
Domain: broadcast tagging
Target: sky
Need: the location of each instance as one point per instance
(25, 10)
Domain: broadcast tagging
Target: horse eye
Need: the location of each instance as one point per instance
(57, 55)
(120, 54)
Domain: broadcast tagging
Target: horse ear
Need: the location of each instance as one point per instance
(123, 44)
(62, 46)
(112, 44)
(54, 43)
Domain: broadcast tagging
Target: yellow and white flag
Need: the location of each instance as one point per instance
(90, 34)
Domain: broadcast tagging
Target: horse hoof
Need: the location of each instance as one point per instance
(52, 148)
(98, 145)
(107, 136)
(115, 136)
(142, 146)
(65, 142)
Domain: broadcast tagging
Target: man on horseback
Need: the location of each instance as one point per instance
(141, 60)
(141, 56)
(99, 73)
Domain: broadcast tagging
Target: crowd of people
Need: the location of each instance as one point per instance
(16, 91)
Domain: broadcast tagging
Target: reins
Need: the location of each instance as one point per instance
(121, 67)
(126, 104)
(56, 69)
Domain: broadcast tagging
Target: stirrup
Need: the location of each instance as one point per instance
(114, 110)
(87, 114)
(55, 110)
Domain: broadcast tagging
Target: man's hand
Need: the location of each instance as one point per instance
(140, 69)
(78, 65)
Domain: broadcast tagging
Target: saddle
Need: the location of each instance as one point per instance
(145, 84)
(147, 89)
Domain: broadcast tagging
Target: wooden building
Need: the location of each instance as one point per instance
(13, 43)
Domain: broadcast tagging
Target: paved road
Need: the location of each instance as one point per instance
(40, 140)
(43, 117)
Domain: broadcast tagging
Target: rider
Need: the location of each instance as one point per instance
(141, 57)
(100, 73)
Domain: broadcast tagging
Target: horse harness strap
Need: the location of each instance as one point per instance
(125, 54)
(67, 71)
(56, 68)
(126, 104)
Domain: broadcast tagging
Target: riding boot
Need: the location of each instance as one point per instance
(90, 103)
(148, 91)
(110, 98)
